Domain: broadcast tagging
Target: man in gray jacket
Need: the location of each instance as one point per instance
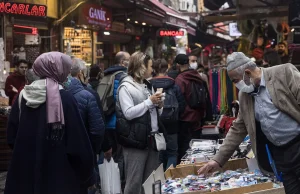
(270, 114)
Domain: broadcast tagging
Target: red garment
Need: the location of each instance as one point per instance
(16, 96)
(184, 81)
(17, 80)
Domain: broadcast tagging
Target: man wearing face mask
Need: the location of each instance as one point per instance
(193, 62)
(270, 114)
(282, 51)
(190, 120)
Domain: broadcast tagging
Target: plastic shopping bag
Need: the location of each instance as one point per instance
(110, 177)
(160, 141)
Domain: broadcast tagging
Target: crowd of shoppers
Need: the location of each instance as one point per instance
(62, 125)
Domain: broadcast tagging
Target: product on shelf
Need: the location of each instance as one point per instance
(80, 41)
(218, 181)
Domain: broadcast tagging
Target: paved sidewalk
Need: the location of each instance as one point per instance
(2, 181)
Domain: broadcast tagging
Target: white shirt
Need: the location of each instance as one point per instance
(132, 111)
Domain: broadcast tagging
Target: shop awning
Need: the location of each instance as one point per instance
(172, 17)
(191, 30)
(69, 11)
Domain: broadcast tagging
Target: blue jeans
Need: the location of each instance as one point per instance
(169, 156)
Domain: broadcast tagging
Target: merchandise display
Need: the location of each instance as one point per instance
(222, 90)
(203, 150)
(5, 110)
(80, 41)
(200, 151)
(218, 181)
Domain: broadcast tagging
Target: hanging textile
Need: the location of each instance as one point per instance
(224, 104)
(222, 91)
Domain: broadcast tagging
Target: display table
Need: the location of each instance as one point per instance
(183, 171)
(5, 151)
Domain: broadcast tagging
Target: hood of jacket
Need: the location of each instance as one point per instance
(75, 86)
(35, 93)
(191, 75)
(164, 82)
(114, 69)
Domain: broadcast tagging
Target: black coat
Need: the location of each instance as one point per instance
(41, 165)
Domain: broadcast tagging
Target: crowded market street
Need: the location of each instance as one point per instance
(149, 96)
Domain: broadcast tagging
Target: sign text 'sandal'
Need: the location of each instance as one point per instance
(23, 9)
(171, 33)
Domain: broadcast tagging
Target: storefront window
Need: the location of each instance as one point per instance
(78, 43)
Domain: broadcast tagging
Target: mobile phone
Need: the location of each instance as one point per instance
(160, 90)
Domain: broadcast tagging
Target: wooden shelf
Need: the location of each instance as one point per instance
(99, 57)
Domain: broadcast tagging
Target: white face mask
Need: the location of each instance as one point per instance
(243, 87)
(193, 66)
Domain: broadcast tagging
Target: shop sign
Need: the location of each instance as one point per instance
(93, 14)
(176, 21)
(171, 33)
(25, 30)
(23, 9)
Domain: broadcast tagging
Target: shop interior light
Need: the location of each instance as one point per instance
(128, 19)
(144, 24)
(136, 22)
(4, 71)
(108, 19)
(293, 29)
(106, 33)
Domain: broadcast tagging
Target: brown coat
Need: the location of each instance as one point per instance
(283, 83)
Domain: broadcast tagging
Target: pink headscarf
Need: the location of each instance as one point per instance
(55, 67)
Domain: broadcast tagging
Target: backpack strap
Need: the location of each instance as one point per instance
(19, 102)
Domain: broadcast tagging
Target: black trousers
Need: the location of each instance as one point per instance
(287, 160)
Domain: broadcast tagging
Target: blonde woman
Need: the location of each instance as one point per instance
(137, 110)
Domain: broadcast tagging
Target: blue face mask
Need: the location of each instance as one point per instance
(67, 83)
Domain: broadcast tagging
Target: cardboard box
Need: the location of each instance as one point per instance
(183, 171)
(270, 191)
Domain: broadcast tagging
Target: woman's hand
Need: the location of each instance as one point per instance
(156, 98)
(161, 104)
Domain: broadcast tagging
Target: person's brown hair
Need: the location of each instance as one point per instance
(138, 65)
(160, 66)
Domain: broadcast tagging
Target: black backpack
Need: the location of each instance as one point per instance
(171, 107)
(198, 96)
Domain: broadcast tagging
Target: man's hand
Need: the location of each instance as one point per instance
(208, 168)
(14, 89)
(108, 154)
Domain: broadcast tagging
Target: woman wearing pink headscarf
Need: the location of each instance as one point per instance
(51, 149)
